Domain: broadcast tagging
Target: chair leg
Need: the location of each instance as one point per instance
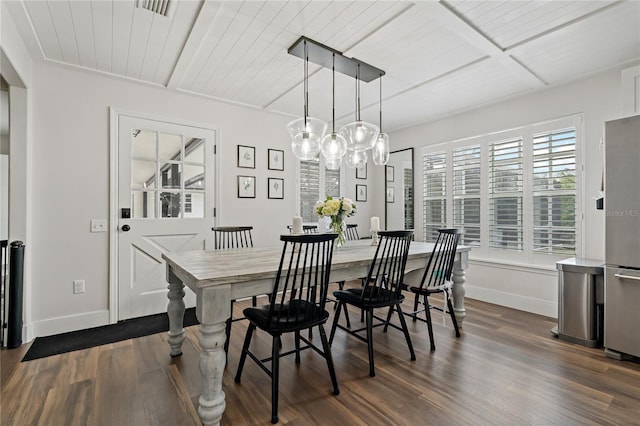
(228, 330)
(453, 314)
(427, 311)
(336, 317)
(297, 339)
(372, 371)
(275, 375)
(245, 350)
(346, 317)
(254, 300)
(416, 302)
(406, 331)
(329, 358)
(386, 324)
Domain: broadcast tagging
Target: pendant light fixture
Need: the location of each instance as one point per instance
(333, 146)
(306, 132)
(359, 135)
(380, 152)
(351, 143)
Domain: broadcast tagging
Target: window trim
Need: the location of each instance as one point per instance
(322, 170)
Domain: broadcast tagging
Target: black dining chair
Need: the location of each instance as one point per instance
(382, 289)
(229, 237)
(296, 304)
(437, 279)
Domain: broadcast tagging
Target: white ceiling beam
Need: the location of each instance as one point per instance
(467, 31)
(197, 36)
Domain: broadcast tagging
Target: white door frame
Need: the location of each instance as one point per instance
(113, 192)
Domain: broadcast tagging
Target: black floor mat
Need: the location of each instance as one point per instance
(83, 339)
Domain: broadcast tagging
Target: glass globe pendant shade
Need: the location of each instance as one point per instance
(355, 159)
(333, 163)
(360, 135)
(305, 140)
(380, 151)
(333, 146)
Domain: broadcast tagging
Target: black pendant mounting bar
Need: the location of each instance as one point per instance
(323, 55)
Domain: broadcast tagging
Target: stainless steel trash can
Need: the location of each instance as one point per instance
(581, 301)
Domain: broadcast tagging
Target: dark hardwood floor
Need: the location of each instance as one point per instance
(506, 369)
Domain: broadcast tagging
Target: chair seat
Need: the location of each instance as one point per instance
(296, 315)
(430, 290)
(376, 297)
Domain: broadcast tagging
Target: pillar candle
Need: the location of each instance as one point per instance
(297, 225)
(375, 223)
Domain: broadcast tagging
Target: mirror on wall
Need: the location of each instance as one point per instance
(399, 190)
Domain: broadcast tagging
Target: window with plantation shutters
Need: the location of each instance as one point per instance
(316, 182)
(466, 193)
(434, 189)
(505, 195)
(309, 189)
(554, 192)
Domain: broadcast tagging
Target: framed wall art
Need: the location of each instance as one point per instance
(276, 188)
(389, 170)
(361, 172)
(361, 192)
(246, 157)
(276, 159)
(246, 187)
(391, 195)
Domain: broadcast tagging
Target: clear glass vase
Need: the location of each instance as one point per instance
(339, 226)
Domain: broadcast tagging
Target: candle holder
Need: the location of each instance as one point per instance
(374, 237)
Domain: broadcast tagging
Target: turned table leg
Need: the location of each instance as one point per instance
(175, 311)
(458, 291)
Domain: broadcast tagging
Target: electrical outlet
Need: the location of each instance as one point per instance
(78, 286)
(98, 225)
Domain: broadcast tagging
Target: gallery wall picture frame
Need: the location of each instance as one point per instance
(390, 171)
(276, 159)
(391, 198)
(246, 157)
(361, 192)
(276, 188)
(361, 172)
(246, 186)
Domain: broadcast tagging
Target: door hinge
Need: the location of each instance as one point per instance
(214, 212)
(215, 149)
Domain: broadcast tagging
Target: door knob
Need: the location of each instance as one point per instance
(125, 228)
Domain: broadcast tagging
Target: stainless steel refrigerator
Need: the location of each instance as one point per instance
(622, 238)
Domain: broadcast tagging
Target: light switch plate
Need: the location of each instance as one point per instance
(98, 225)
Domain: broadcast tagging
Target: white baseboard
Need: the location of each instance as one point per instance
(515, 301)
(59, 325)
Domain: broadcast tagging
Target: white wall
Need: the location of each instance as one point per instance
(599, 98)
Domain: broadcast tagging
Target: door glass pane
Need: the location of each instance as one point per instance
(193, 177)
(170, 204)
(194, 150)
(170, 175)
(194, 205)
(169, 147)
(143, 143)
(143, 174)
(143, 205)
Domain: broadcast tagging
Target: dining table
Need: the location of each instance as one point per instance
(219, 276)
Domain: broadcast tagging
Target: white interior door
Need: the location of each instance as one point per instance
(165, 204)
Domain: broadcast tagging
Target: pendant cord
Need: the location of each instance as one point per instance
(306, 84)
(380, 103)
(358, 91)
(333, 69)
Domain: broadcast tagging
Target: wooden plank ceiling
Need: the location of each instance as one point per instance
(439, 57)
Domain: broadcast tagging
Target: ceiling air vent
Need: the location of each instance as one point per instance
(161, 7)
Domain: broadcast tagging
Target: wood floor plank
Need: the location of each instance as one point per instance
(505, 369)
